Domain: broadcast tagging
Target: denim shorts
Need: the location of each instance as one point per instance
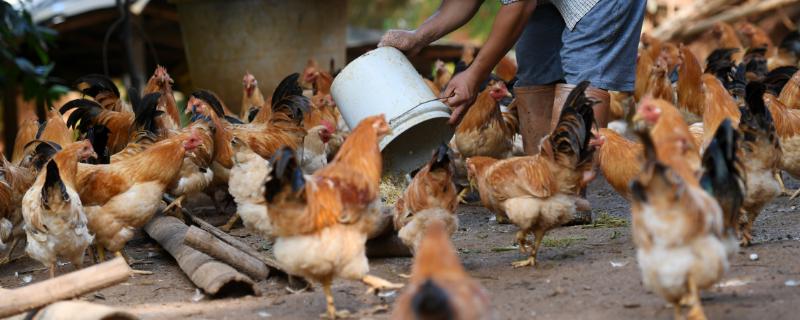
(602, 47)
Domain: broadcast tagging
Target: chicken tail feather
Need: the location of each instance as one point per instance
(574, 130)
(94, 84)
(85, 112)
(722, 176)
(53, 185)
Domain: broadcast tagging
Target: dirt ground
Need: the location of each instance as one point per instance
(584, 272)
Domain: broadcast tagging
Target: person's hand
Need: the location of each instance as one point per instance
(460, 94)
(407, 41)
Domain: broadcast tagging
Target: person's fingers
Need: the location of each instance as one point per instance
(455, 117)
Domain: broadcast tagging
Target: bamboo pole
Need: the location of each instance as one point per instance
(214, 277)
(209, 244)
(66, 286)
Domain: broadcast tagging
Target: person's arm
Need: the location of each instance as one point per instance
(507, 27)
(451, 15)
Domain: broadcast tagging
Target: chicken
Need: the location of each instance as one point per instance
(678, 232)
(107, 191)
(314, 153)
(787, 126)
(761, 156)
(615, 158)
(790, 95)
(484, 131)
(539, 193)
(321, 221)
(441, 76)
(659, 84)
(671, 135)
(248, 178)
(6, 212)
(506, 69)
(27, 132)
(311, 69)
(430, 197)
(727, 38)
(252, 99)
(719, 105)
(55, 222)
(440, 288)
(161, 82)
(644, 66)
(195, 175)
(263, 138)
(690, 86)
(103, 91)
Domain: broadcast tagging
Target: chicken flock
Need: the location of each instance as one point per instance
(703, 156)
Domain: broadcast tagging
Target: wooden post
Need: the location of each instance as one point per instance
(66, 286)
(214, 277)
(218, 249)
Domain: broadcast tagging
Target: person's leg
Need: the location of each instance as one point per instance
(602, 48)
(539, 60)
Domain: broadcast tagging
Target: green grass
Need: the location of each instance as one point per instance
(605, 220)
(562, 242)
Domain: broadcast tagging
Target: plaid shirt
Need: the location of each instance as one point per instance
(571, 10)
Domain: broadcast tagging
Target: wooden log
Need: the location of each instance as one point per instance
(220, 250)
(699, 9)
(214, 277)
(733, 14)
(82, 310)
(66, 286)
(222, 235)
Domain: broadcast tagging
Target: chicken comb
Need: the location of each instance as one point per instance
(94, 84)
(85, 111)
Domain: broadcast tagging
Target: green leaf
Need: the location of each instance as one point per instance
(24, 65)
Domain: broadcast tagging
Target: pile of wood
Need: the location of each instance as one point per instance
(682, 20)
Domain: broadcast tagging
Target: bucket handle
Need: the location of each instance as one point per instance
(420, 104)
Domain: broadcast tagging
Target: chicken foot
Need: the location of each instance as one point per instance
(531, 261)
(229, 225)
(696, 311)
(332, 313)
(377, 284)
(175, 208)
(747, 230)
(7, 257)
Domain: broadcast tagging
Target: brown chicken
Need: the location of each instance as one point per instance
(321, 221)
(790, 95)
(678, 231)
(484, 131)
(787, 126)
(719, 105)
(727, 38)
(617, 159)
(252, 99)
(671, 135)
(440, 288)
(107, 191)
(539, 193)
(659, 84)
(55, 222)
(441, 76)
(644, 66)
(161, 82)
(690, 85)
(27, 132)
(431, 196)
(506, 69)
(761, 155)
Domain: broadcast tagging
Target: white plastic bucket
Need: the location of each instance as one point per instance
(384, 81)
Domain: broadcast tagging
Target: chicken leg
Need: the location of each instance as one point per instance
(696, 311)
(522, 240)
(7, 257)
(175, 208)
(332, 313)
(229, 225)
(531, 261)
(377, 284)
